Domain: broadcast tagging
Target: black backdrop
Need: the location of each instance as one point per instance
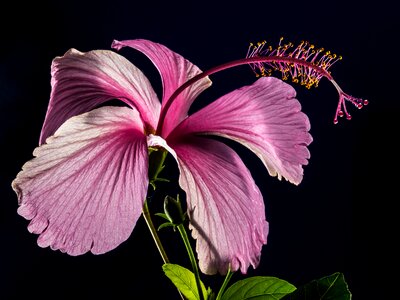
(340, 218)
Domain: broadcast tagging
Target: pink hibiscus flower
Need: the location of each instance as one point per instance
(85, 187)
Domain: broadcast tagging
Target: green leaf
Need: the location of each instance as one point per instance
(184, 280)
(164, 216)
(332, 287)
(164, 225)
(258, 287)
(210, 294)
(161, 179)
(153, 185)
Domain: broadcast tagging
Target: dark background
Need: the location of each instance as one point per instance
(341, 218)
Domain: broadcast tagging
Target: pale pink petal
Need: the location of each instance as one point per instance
(174, 70)
(265, 117)
(157, 141)
(85, 188)
(82, 81)
(225, 207)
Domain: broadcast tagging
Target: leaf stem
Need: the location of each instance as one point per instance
(192, 258)
(224, 284)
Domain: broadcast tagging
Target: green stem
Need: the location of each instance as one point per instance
(224, 284)
(153, 231)
(192, 258)
(147, 217)
(156, 165)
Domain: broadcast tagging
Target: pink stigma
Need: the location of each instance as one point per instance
(341, 109)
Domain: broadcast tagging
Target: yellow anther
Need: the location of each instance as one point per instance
(304, 74)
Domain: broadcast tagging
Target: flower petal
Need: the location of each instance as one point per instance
(226, 208)
(174, 70)
(266, 118)
(155, 140)
(81, 81)
(85, 188)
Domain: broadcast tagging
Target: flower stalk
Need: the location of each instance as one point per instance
(156, 165)
(153, 231)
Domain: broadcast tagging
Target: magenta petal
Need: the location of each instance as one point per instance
(174, 70)
(225, 207)
(82, 81)
(265, 117)
(85, 188)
